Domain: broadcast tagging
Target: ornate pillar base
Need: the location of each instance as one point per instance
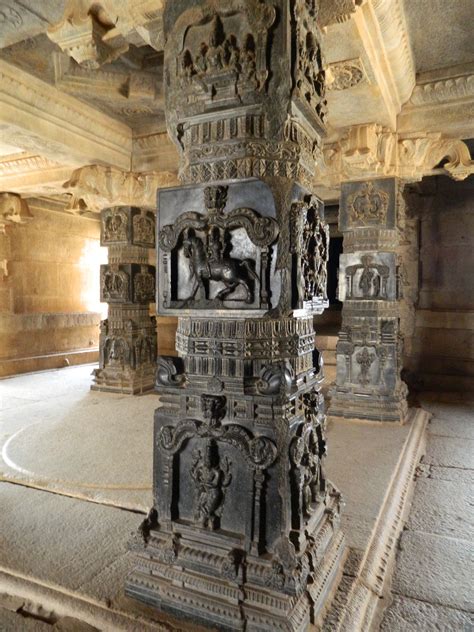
(206, 584)
(127, 340)
(369, 349)
(127, 351)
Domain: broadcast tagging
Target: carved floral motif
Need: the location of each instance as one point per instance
(368, 205)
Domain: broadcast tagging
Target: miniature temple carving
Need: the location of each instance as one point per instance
(127, 339)
(244, 532)
(368, 383)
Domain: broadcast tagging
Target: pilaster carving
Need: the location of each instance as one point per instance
(245, 513)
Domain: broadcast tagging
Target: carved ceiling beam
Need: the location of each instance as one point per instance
(95, 187)
(371, 71)
(441, 101)
(383, 31)
(30, 174)
(94, 33)
(13, 210)
(28, 19)
(370, 151)
(40, 119)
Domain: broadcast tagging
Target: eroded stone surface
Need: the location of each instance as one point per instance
(443, 508)
(436, 569)
(450, 452)
(411, 615)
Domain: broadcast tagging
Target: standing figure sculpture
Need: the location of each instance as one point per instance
(211, 481)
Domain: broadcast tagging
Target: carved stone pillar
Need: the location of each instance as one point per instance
(369, 350)
(127, 283)
(244, 532)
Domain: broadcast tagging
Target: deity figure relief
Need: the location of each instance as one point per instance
(114, 285)
(373, 279)
(143, 287)
(116, 351)
(365, 359)
(115, 227)
(220, 54)
(143, 229)
(211, 476)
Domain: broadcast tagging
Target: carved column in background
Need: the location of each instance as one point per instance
(369, 350)
(127, 283)
(244, 532)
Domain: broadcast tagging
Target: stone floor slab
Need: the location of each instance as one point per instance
(457, 475)
(14, 622)
(450, 452)
(60, 540)
(443, 508)
(410, 615)
(435, 569)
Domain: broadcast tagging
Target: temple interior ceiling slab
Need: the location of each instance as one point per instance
(440, 33)
(82, 84)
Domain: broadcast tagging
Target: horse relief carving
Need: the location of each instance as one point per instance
(219, 259)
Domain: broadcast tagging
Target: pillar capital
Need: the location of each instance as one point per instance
(13, 210)
(97, 187)
(371, 151)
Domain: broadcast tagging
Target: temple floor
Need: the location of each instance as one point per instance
(76, 480)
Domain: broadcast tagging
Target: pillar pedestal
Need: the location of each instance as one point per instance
(127, 283)
(369, 351)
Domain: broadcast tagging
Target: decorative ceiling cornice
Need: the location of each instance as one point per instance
(42, 120)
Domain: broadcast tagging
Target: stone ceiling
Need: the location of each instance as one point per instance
(81, 84)
(441, 33)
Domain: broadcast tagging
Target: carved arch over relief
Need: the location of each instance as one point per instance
(259, 452)
(262, 231)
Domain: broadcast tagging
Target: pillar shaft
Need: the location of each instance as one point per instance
(369, 350)
(127, 283)
(244, 532)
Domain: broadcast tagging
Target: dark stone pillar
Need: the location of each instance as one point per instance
(244, 532)
(127, 283)
(369, 350)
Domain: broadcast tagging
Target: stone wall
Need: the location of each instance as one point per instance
(442, 350)
(49, 296)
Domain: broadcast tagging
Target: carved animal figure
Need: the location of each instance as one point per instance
(229, 271)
